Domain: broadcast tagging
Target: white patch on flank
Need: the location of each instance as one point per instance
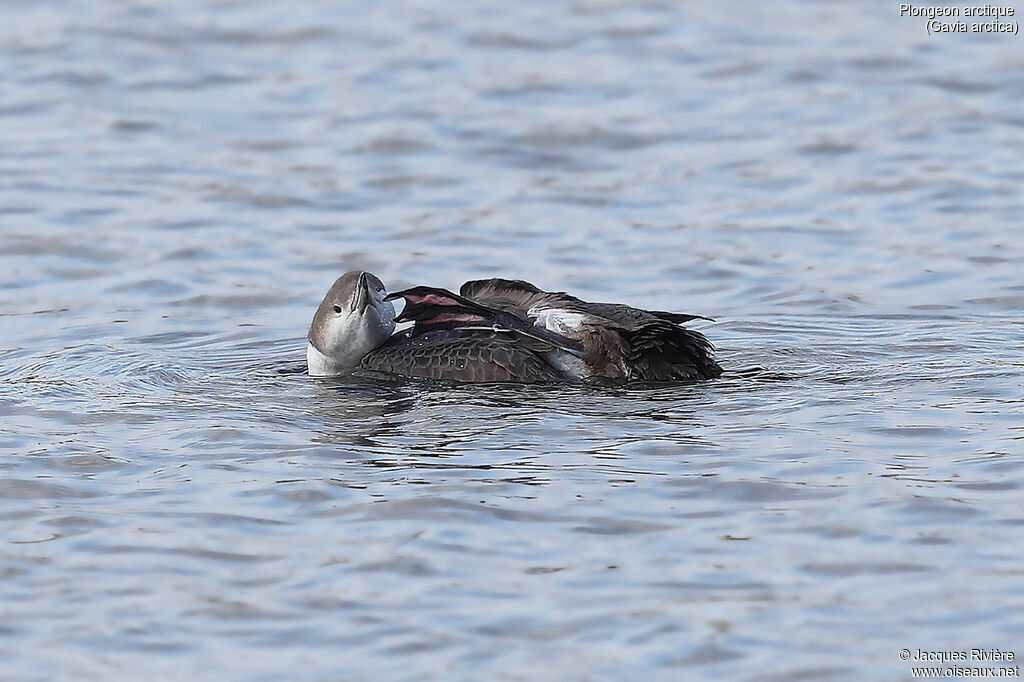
(567, 364)
(569, 324)
(557, 320)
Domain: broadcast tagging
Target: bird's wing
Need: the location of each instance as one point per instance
(512, 295)
(529, 302)
(619, 339)
(433, 308)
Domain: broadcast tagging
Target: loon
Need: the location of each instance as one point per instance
(500, 330)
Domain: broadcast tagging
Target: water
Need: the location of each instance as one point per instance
(181, 182)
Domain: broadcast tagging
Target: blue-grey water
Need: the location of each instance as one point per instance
(180, 182)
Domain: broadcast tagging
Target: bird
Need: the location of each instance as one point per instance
(500, 331)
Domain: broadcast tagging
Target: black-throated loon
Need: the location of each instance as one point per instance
(499, 330)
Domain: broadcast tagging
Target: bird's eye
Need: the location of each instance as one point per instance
(337, 308)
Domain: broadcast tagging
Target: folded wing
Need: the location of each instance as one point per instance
(434, 308)
(620, 342)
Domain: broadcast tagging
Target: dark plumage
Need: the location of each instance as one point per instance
(621, 343)
(500, 330)
(472, 356)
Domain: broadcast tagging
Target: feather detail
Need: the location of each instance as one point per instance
(461, 355)
(621, 343)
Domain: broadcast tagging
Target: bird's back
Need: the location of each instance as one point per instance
(463, 355)
(621, 343)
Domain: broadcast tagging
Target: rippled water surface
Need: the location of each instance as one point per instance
(181, 182)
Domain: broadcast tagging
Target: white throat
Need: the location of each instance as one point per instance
(322, 366)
